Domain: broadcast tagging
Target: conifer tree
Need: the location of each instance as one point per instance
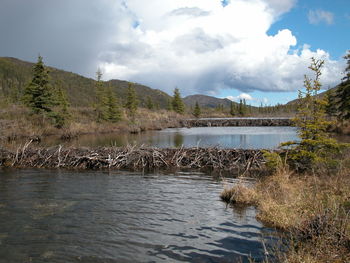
(149, 103)
(61, 114)
(131, 101)
(343, 92)
(232, 109)
(101, 99)
(177, 103)
(330, 107)
(38, 94)
(241, 107)
(197, 110)
(114, 113)
(315, 143)
(169, 105)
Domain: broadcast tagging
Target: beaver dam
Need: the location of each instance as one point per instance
(134, 158)
(226, 122)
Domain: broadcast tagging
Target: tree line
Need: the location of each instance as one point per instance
(49, 100)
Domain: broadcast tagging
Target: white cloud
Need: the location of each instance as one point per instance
(203, 47)
(241, 96)
(317, 16)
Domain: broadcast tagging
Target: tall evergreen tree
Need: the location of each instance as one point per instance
(343, 92)
(232, 109)
(331, 104)
(177, 103)
(149, 103)
(61, 114)
(101, 99)
(131, 101)
(197, 110)
(170, 105)
(114, 113)
(315, 144)
(38, 94)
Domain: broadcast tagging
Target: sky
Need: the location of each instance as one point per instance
(259, 50)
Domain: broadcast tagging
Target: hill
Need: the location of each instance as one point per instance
(15, 75)
(206, 101)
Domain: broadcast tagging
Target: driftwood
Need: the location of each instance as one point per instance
(133, 158)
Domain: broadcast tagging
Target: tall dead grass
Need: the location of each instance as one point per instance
(313, 209)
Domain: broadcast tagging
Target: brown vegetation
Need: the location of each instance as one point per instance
(313, 209)
(133, 158)
(17, 122)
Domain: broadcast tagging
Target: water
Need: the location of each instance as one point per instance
(226, 137)
(65, 216)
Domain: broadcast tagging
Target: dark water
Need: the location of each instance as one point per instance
(226, 137)
(61, 216)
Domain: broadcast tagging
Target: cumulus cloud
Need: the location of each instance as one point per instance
(200, 46)
(242, 96)
(318, 16)
(203, 46)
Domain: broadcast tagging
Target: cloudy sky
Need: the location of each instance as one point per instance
(253, 49)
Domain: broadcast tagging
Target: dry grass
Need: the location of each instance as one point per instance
(17, 122)
(313, 209)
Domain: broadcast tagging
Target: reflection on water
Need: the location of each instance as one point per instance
(61, 216)
(226, 137)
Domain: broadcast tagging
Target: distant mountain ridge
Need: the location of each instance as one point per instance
(15, 75)
(206, 101)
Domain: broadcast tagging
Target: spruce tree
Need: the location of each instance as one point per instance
(177, 103)
(38, 94)
(61, 114)
(131, 101)
(149, 103)
(343, 92)
(101, 99)
(315, 143)
(170, 105)
(241, 108)
(114, 113)
(330, 99)
(232, 109)
(197, 110)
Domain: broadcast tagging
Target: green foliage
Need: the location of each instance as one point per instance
(274, 160)
(331, 104)
(81, 92)
(61, 114)
(197, 110)
(131, 101)
(170, 105)
(242, 108)
(38, 94)
(177, 103)
(150, 104)
(343, 93)
(101, 100)
(114, 113)
(315, 145)
(232, 109)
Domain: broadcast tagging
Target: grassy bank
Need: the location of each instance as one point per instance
(17, 122)
(313, 209)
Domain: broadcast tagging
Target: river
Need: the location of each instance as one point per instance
(95, 216)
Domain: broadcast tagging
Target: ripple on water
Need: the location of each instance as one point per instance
(52, 216)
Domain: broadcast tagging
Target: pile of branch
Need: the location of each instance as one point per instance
(133, 158)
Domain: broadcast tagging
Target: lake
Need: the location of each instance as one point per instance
(94, 216)
(225, 137)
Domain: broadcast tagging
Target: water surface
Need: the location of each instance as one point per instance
(225, 137)
(62, 216)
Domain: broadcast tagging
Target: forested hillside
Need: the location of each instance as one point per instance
(15, 75)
